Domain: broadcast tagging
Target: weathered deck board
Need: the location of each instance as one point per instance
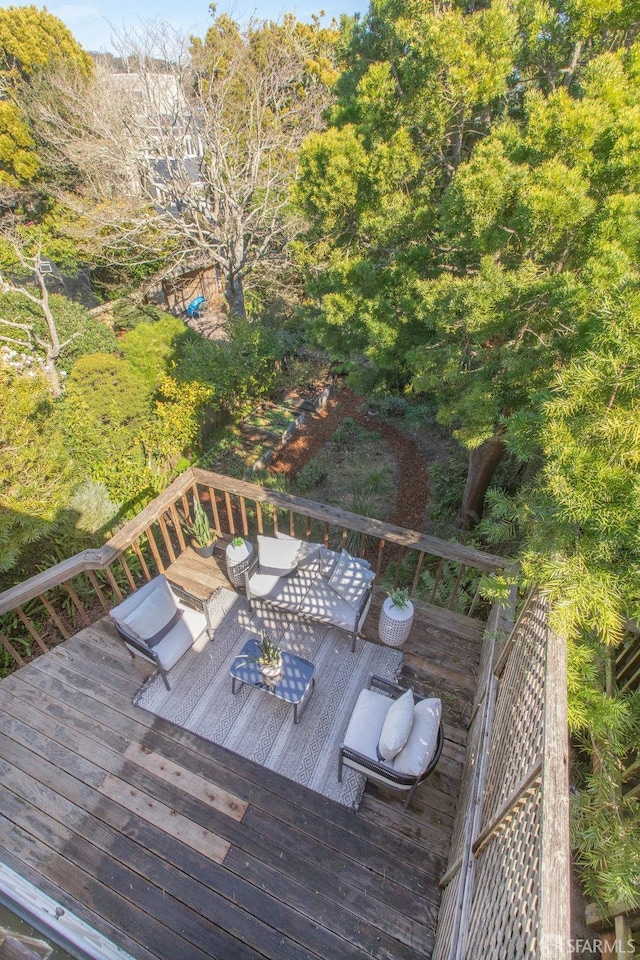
(300, 877)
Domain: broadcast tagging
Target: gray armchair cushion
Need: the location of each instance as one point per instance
(366, 723)
(167, 646)
(324, 604)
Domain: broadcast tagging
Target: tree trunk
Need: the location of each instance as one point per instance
(482, 466)
(234, 294)
(51, 372)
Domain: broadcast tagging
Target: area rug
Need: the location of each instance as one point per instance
(258, 726)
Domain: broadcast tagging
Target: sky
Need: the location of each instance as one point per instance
(92, 23)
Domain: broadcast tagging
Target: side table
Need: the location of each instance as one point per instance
(395, 623)
(238, 560)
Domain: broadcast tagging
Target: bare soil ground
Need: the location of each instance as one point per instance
(413, 487)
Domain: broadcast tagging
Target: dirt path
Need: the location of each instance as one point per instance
(413, 489)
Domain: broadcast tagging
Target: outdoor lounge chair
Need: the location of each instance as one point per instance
(157, 625)
(397, 747)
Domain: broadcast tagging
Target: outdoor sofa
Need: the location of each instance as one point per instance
(311, 581)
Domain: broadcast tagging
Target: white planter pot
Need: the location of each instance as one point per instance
(395, 623)
(238, 560)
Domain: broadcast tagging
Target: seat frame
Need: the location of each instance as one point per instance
(378, 771)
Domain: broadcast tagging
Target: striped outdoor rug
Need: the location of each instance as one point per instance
(258, 726)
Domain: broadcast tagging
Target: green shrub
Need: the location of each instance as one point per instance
(127, 314)
(346, 432)
(312, 475)
(105, 414)
(74, 324)
(394, 406)
(150, 346)
(378, 482)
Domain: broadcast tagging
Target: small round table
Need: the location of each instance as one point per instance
(238, 560)
(395, 623)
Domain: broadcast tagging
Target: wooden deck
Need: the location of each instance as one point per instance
(175, 848)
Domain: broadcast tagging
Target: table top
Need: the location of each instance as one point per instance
(292, 686)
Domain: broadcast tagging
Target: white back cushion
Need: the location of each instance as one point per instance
(397, 727)
(278, 557)
(415, 756)
(153, 613)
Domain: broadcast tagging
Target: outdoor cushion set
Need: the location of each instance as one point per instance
(393, 737)
(158, 625)
(311, 581)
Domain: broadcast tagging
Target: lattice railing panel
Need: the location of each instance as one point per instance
(446, 919)
(504, 914)
(516, 744)
(474, 746)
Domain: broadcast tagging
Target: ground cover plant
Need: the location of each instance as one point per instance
(355, 470)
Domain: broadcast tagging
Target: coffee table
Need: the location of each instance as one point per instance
(296, 685)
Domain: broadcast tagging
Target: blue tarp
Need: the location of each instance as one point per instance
(195, 306)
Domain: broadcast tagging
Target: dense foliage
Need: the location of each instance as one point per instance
(32, 43)
(35, 471)
(473, 235)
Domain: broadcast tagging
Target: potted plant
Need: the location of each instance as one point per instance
(269, 659)
(396, 618)
(239, 553)
(203, 537)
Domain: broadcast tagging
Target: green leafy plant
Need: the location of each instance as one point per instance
(312, 475)
(269, 651)
(237, 542)
(400, 598)
(200, 528)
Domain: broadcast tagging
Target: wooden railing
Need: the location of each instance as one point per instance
(40, 611)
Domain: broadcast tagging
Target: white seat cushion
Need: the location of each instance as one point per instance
(284, 592)
(397, 727)
(366, 723)
(415, 756)
(324, 604)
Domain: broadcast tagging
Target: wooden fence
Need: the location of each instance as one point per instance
(506, 889)
(40, 611)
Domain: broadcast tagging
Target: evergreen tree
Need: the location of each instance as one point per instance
(33, 43)
(455, 200)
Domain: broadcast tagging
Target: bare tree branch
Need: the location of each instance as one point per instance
(188, 156)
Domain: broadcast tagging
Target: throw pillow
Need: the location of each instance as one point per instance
(154, 613)
(415, 756)
(277, 557)
(397, 727)
(350, 579)
(328, 560)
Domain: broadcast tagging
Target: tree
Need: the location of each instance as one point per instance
(32, 43)
(452, 204)
(35, 470)
(188, 156)
(36, 326)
